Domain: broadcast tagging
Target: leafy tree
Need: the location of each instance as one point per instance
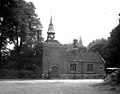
(97, 45)
(101, 46)
(18, 24)
(114, 47)
(25, 24)
(5, 22)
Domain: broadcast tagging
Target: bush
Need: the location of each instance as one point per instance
(20, 74)
(8, 74)
(113, 78)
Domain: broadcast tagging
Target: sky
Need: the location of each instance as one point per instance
(90, 19)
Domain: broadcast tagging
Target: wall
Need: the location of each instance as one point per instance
(54, 54)
(79, 73)
(96, 67)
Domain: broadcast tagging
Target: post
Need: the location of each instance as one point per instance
(82, 69)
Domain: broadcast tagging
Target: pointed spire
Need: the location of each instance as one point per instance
(51, 27)
(51, 21)
(51, 33)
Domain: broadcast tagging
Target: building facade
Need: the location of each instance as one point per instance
(61, 63)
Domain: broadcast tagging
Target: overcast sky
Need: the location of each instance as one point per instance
(90, 19)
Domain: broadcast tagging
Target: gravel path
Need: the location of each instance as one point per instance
(52, 87)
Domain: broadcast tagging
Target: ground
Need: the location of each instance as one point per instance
(53, 87)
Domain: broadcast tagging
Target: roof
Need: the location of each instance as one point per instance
(90, 57)
(52, 41)
(60, 53)
(84, 56)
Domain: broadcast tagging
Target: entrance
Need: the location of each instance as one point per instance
(54, 72)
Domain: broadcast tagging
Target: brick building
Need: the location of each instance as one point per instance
(59, 62)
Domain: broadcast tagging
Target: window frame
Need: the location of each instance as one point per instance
(73, 67)
(90, 69)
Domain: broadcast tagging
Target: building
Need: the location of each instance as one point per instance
(59, 62)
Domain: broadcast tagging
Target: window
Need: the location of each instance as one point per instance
(89, 67)
(72, 67)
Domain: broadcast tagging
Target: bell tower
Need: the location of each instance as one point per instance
(50, 33)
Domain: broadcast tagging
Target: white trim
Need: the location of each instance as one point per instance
(101, 57)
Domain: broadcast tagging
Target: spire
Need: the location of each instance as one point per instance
(51, 21)
(80, 44)
(51, 27)
(51, 33)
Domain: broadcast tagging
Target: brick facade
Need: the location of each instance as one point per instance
(57, 61)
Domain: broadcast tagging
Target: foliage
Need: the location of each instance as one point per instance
(97, 45)
(18, 26)
(25, 66)
(18, 23)
(109, 49)
(114, 47)
(101, 46)
(113, 78)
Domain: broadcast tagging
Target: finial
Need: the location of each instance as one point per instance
(51, 12)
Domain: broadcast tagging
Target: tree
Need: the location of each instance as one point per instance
(5, 22)
(114, 47)
(101, 46)
(18, 24)
(25, 24)
(97, 45)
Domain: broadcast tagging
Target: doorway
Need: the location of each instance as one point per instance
(54, 72)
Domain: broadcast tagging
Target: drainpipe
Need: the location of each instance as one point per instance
(81, 61)
(48, 60)
(74, 74)
(82, 69)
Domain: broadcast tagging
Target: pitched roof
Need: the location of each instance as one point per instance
(90, 57)
(60, 53)
(84, 56)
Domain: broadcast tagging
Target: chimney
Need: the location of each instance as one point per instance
(75, 44)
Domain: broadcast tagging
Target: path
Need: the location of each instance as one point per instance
(52, 87)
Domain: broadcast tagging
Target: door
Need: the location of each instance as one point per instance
(54, 72)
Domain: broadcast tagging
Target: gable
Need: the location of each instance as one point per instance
(55, 53)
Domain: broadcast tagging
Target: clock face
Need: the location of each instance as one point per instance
(51, 36)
